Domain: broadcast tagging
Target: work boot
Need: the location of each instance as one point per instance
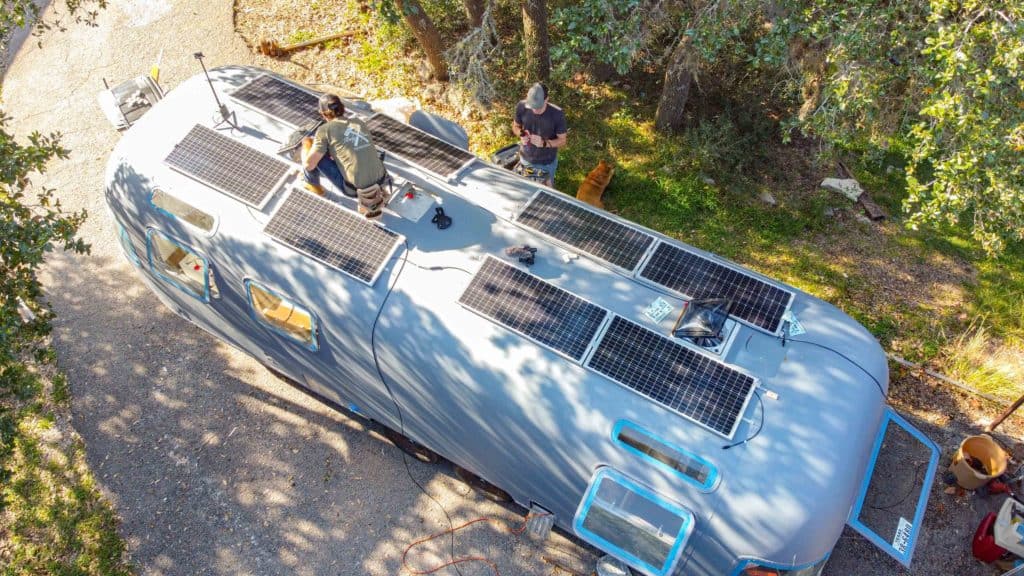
(316, 189)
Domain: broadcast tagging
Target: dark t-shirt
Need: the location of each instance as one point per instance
(548, 125)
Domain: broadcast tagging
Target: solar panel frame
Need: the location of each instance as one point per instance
(633, 256)
(388, 141)
(582, 326)
(643, 350)
(740, 283)
(270, 99)
(204, 149)
(307, 235)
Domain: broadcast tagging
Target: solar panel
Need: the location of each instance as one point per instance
(754, 301)
(333, 235)
(534, 308)
(591, 232)
(692, 384)
(280, 99)
(416, 146)
(228, 165)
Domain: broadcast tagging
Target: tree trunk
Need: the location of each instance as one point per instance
(535, 38)
(679, 74)
(474, 12)
(426, 34)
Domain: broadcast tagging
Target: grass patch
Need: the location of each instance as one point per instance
(53, 519)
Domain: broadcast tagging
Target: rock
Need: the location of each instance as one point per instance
(767, 197)
(708, 180)
(863, 218)
(829, 212)
(846, 186)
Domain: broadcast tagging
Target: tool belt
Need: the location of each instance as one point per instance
(371, 200)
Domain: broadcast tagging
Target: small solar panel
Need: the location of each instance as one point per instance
(692, 384)
(754, 301)
(416, 146)
(534, 308)
(591, 232)
(333, 235)
(228, 165)
(280, 99)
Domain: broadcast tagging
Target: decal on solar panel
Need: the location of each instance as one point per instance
(591, 232)
(280, 99)
(416, 146)
(333, 235)
(534, 308)
(754, 301)
(692, 384)
(228, 165)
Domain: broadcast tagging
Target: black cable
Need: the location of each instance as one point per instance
(847, 358)
(401, 418)
(433, 268)
(759, 426)
(917, 472)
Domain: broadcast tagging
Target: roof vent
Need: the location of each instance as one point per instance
(705, 322)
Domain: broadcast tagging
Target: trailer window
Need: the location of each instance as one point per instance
(179, 265)
(178, 208)
(282, 315)
(689, 466)
(633, 523)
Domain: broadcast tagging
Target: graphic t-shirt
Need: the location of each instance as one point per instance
(548, 125)
(347, 141)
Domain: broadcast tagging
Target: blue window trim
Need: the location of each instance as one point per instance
(205, 297)
(632, 560)
(174, 216)
(127, 246)
(754, 562)
(314, 327)
(707, 486)
(922, 500)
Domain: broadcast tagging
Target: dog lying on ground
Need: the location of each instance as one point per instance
(593, 185)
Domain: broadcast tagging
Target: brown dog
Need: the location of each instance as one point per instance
(594, 184)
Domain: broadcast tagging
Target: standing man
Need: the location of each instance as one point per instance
(541, 128)
(342, 151)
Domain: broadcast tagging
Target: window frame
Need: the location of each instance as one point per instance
(708, 485)
(314, 325)
(205, 297)
(675, 553)
(127, 246)
(173, 216)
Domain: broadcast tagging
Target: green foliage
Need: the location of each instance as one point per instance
(605, 31)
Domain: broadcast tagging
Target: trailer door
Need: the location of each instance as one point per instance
(894, 493)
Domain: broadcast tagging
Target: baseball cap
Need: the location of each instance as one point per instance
(535, 97)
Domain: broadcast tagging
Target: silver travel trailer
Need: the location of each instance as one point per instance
(551, 372)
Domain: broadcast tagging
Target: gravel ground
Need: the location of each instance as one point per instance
(215, 466)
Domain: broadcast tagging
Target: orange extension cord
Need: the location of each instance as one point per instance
(454, 561)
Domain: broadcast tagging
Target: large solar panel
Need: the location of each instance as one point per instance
(333, 235)
(228, 165)
(280, 99)
(754, 301)
(416, 146)
(534, 308)
(591, 232)
(692, 384)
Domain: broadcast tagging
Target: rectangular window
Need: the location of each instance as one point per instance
(689, 466)
(177, 208)
(633, 523)
(179, 265)
(282, 315)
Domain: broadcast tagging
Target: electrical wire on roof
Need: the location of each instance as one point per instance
(878, 384)
(398, 409)
(760, 426)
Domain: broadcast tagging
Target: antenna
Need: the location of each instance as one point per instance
(225, 115)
